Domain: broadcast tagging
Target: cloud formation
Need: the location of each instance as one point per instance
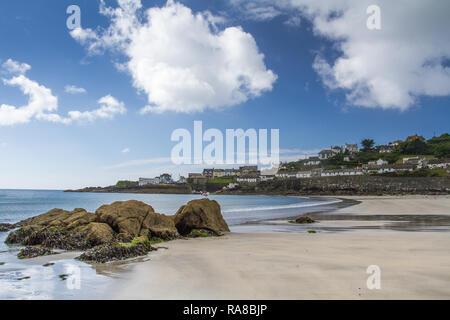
(14, 67)
(74, 89)
(389, 68)
(42, 104)
(182, 61)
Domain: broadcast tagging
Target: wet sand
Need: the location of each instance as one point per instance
(299, 265)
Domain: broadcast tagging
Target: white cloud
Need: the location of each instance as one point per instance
(15, 67)
(181, 60)
(74, 89)
(387, 68)
(42, 105)
(126, 150)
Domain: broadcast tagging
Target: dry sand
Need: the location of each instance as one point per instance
(414, 265)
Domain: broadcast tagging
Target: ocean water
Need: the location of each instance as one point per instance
(31, 280)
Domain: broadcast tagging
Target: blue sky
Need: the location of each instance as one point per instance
(310, 112)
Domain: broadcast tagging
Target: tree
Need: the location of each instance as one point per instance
(367, 144)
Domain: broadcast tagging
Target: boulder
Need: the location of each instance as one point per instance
(202, 214)
(61, 219)
(131, 219)
(111, 252)
(159, 226)
(125, 218)
(97, 233)
(304, 220)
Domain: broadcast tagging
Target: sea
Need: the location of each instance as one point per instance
(21, 279)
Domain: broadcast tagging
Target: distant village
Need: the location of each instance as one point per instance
(347, 160)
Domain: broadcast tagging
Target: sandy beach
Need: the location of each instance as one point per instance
(324, 265)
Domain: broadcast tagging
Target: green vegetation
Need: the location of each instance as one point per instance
(197, 233)
(143, 240)
(437, 147)
(126, 184)
(368, 144)
(312, 231)
(223, 180)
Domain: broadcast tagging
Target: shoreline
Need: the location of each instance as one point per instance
(290, 265)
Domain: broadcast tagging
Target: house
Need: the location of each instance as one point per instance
(303, 174)
(351, 148)
(148, 181)
(232, 185)
(342, 172)
(198, 178)
(266, 177)
(395, 143)
(438, 163)
(415, 137)
(208, 173)
(337, 149)
(248, 179)
(165, 178)
(249, 171)
(326, 154)
(286, 175)
(312, 161)
(182, 180)
(413, 160)
(379, 162)
(385, 149)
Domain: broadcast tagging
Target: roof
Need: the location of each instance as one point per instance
(325, 151)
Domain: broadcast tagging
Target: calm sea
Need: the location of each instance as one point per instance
(30, 280)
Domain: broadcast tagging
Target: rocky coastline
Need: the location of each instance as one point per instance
(117, 231)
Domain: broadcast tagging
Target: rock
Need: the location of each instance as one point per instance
(5, 227)
(304, 220)
(200, 214)
(33, 252)
(110, 252)
(61, 219)
(48, 264)
(157, 225)
(58, 239)
(97, 233)
(131, 219)
(125, 218)
(19, 235)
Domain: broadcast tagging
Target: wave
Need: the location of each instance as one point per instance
(280, 207)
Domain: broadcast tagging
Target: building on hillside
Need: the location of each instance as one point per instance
(266, 177)
(303, 174)
(249, 171)
(286, 174)
(337, 149)
(438, 163)
(208, 173)
(248, 179)
(312, 161)
(351, 148)
(385, 149)
(379, 162)
(218, 173)
(413, 160)
(395, 143)
(326, 154)
(149, 181)
(415, 137)
(342, 172)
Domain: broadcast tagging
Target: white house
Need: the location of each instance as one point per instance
(149, 181)
(249, 179)
(352, 148)
(266, 177)
(342, 172)
(379, 162)
(286, 175)
(312, 161)
(326, 154)
(303, 174)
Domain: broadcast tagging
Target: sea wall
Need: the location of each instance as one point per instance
(351, 185)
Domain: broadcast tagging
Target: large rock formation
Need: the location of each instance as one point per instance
(134, 218)
(202, 214)
(107, 232)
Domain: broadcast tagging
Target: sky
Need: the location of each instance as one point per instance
(90, 104)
